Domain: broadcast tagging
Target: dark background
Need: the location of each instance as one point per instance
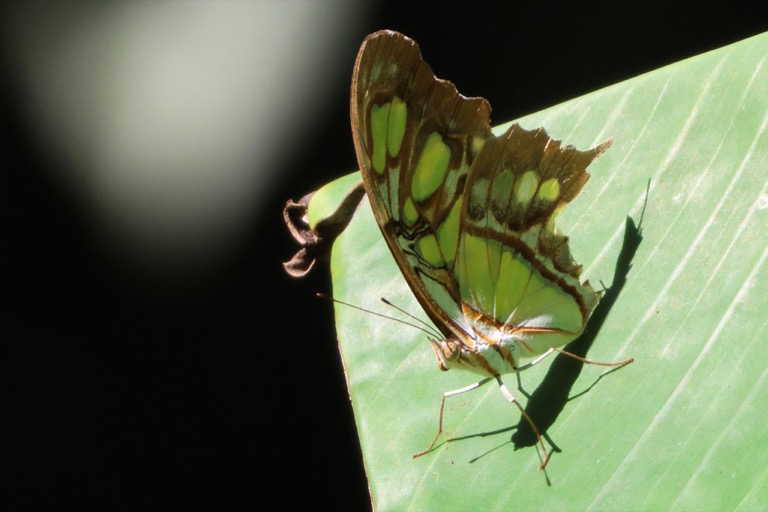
(230, 393)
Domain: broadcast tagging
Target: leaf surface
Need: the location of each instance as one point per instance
(684, 426)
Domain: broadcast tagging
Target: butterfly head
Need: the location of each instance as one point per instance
(447, 352)
(455, 354)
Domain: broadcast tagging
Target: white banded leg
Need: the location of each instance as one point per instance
(573, 356)
(476, 385)
(442, 407)
(511, 398)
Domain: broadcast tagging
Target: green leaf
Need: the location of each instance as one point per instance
(685, 426)
(326, 200)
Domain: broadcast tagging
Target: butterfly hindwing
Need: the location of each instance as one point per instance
(517, 278)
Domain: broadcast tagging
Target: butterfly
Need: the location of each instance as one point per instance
(470, 217)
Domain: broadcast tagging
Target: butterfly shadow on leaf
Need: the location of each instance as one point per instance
(548, 400)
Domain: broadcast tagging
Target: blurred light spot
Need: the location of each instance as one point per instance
(167, 119)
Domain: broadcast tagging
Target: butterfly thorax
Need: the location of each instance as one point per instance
(494, 348)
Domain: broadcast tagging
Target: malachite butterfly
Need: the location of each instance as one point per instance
(469, 216)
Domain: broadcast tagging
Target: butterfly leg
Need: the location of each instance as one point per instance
(442, 407)
(549, 352)
(511, 398)
(574, 356)
(589, 361)
(615, 366)
(518, 369)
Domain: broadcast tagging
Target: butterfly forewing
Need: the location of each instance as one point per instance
(415, 139)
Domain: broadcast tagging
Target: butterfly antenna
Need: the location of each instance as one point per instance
(428, 332)
(432, 331)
